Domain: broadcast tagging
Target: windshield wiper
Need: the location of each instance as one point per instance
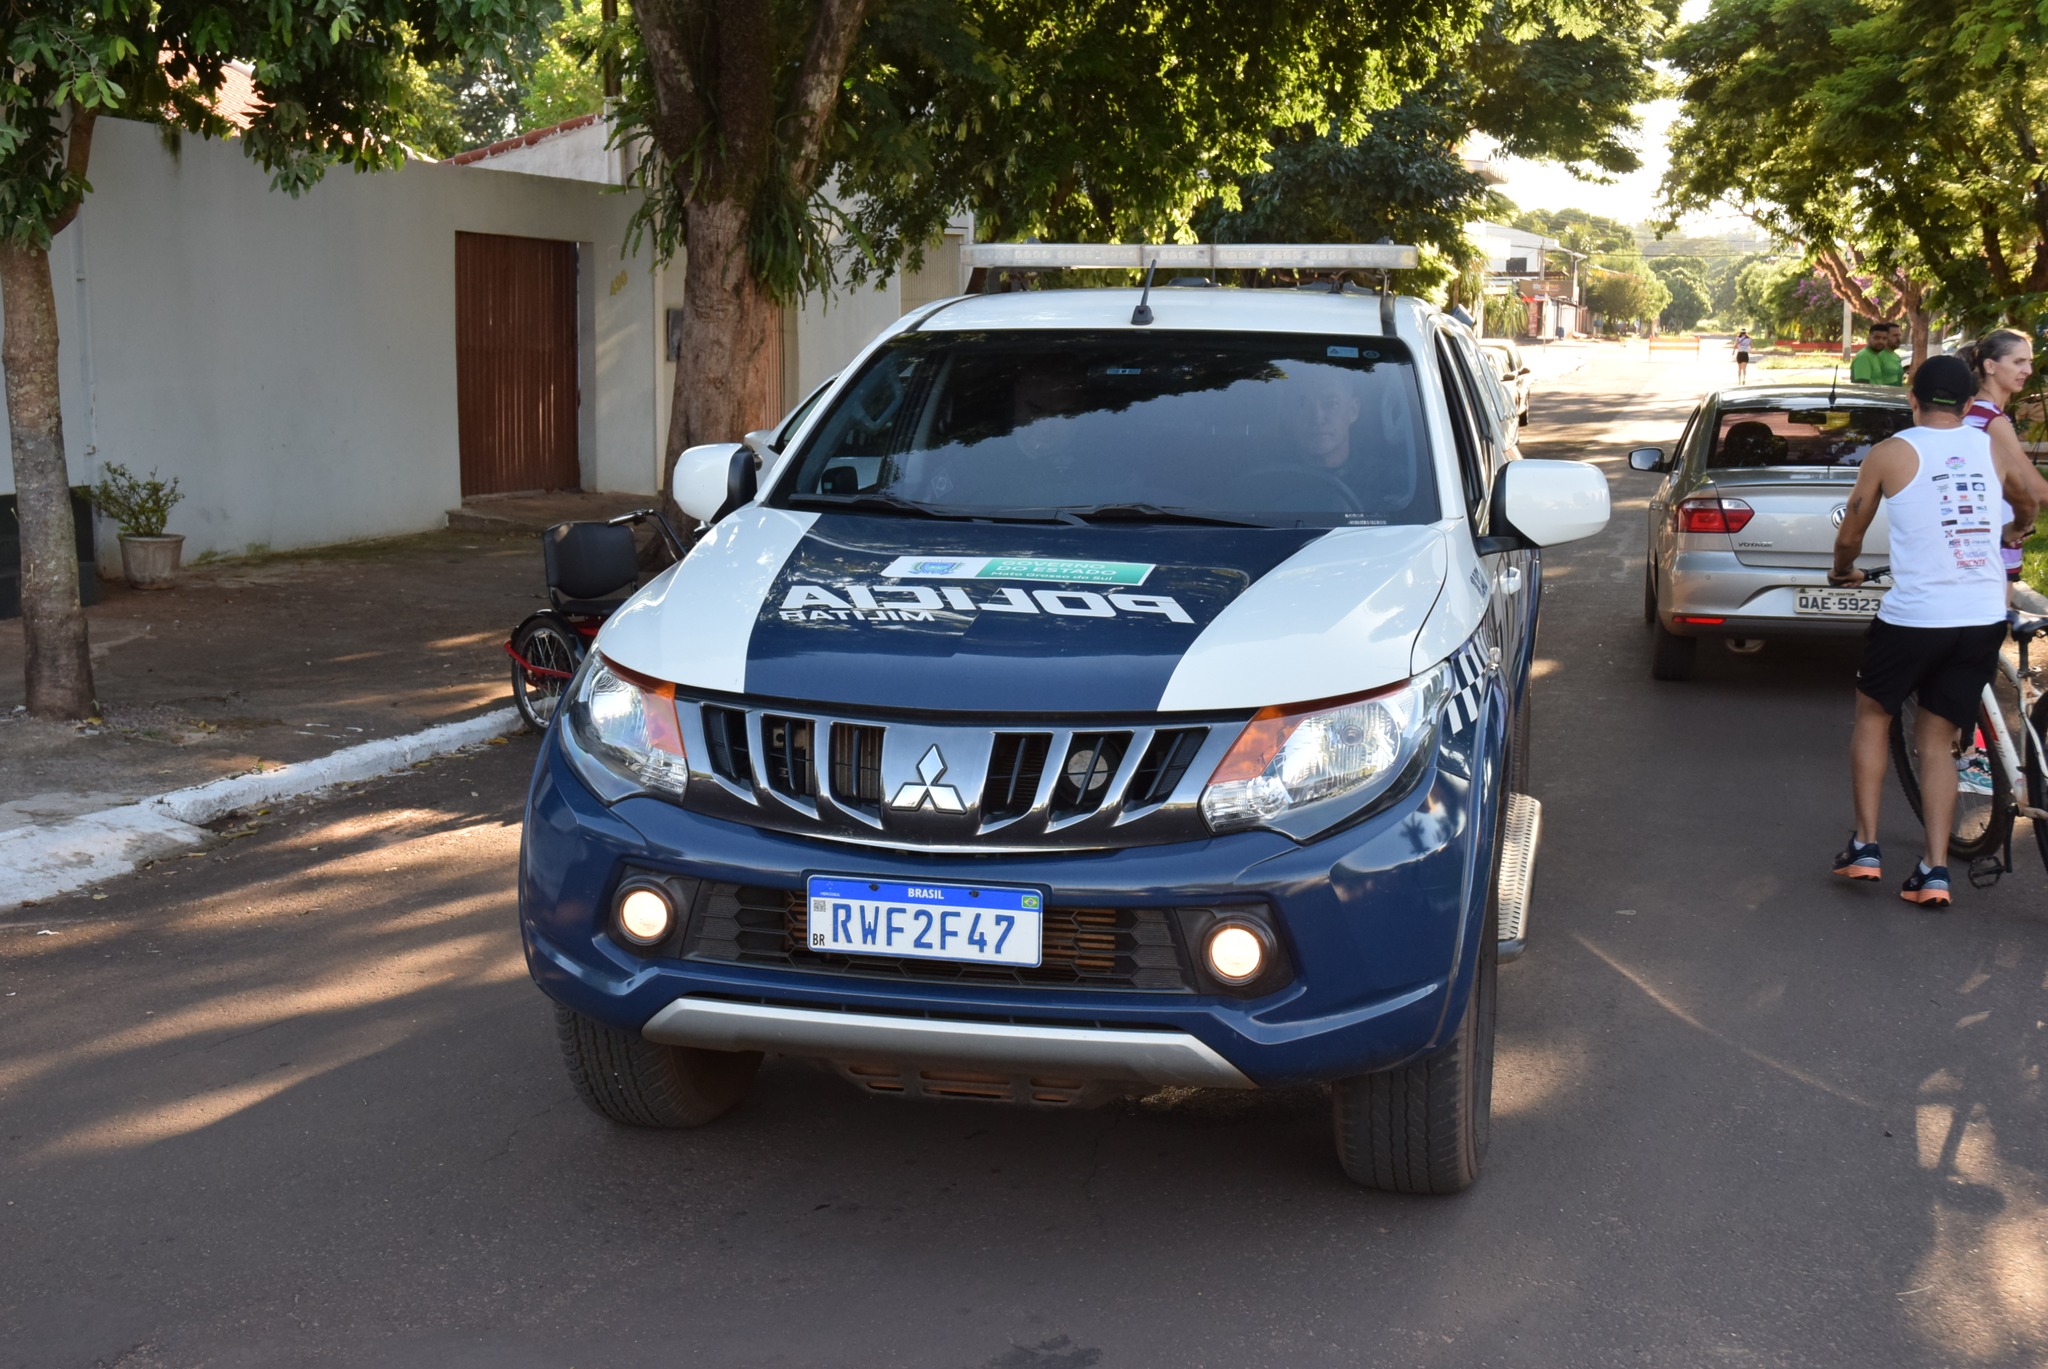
(1157, 513)
(872, 503)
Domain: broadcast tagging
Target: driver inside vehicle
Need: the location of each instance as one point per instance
(1323, 431)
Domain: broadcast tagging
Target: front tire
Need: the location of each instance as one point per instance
(628, 1079)
(1422, 1128)
(1981, 821)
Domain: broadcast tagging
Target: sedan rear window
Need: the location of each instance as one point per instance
(1793, 435)
(1262, 429)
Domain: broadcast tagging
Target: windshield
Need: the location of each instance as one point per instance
(1262, 429)
(1792, 436)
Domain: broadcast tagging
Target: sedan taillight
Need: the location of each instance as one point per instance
(1714, 515)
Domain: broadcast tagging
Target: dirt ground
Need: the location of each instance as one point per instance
(257, 663)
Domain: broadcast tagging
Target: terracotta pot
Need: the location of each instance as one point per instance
(151, 562)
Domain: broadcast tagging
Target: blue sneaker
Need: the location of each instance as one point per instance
(1860, 860)
(1973, 775)
(1928, 888)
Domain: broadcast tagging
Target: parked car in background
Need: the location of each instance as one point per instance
(1742, 529)
(1513, 371)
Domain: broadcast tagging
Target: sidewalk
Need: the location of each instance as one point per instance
(277, 660)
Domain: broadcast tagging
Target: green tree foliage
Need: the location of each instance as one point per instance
(1578, 230)
(1092, 119)
(1897, 140)
(1625, 297)
(1689, 302)
(1551, 94)
(332, 76)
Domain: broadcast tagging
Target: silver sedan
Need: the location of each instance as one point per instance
(1742, 529)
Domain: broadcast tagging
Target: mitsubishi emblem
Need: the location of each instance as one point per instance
(944, 797)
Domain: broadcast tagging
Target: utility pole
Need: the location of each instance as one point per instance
(1848, 331)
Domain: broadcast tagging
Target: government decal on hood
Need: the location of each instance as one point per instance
(878, 612)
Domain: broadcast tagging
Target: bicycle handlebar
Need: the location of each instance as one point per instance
(675, 543)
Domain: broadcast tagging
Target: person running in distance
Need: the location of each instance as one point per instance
(1937, 634)
(1878, 363)
(1742, 357)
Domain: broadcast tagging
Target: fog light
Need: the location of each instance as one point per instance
(646, 916)
(1236, 953)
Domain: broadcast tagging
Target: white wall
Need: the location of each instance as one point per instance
(292, 362)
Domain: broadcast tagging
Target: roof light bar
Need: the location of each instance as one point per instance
(1248, 256)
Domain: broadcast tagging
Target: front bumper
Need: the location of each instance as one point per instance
(1381, 921)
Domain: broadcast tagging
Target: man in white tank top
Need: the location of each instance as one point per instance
(1937, 635)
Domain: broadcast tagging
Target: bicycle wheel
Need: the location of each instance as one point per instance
(545, 654)
(1983, 789)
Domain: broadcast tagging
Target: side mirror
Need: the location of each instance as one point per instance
(1646, 459)
(703, 478)
(1544, 503)
(762, 441)
(1525, 371)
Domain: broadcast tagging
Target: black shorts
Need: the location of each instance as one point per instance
(1742, 358)
(1946, 668)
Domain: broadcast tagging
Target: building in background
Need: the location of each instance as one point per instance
(356, 362)
(1537, 270)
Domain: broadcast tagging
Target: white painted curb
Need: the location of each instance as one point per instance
(42, 862)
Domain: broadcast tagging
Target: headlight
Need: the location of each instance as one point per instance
(1287, 761)
(623, 728)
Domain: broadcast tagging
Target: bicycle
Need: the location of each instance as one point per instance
(1990, 773)
(591, 568)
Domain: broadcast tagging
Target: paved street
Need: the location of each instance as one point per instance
(293, 1101)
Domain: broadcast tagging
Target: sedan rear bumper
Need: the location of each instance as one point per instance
(1751, 601)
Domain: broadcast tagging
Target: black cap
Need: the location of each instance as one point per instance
(1944, 380)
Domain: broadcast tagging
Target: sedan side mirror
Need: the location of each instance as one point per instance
(1646, 459)
(1526, 371)
(1543, 503)
(704, 477)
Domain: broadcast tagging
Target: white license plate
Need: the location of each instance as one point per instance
(1837, 603)
(977, 923)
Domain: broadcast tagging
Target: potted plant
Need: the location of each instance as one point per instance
(141, 507)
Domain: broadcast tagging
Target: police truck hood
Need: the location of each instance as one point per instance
(882, 612)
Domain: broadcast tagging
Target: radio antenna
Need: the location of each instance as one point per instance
(1142, 315)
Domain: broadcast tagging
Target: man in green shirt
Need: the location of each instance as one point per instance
(1878, 363)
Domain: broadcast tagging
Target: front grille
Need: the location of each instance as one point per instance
(787, 744)
(1085, 772)
(725, 732)
(1164, 762)
(1016, 764)
(857, 766)
(1099, 948)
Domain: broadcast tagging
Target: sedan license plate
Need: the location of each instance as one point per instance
(1837, 603)
(978, 923)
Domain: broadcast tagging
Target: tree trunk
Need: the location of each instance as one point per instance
(724, 385)
(56, 662)
(1917, 321)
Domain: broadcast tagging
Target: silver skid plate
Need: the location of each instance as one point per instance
(1524, 820)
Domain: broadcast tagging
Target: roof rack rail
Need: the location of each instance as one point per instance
(1248, 256)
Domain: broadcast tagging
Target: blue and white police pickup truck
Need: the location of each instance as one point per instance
(1105, 689)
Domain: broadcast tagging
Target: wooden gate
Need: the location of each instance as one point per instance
(516, 363)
